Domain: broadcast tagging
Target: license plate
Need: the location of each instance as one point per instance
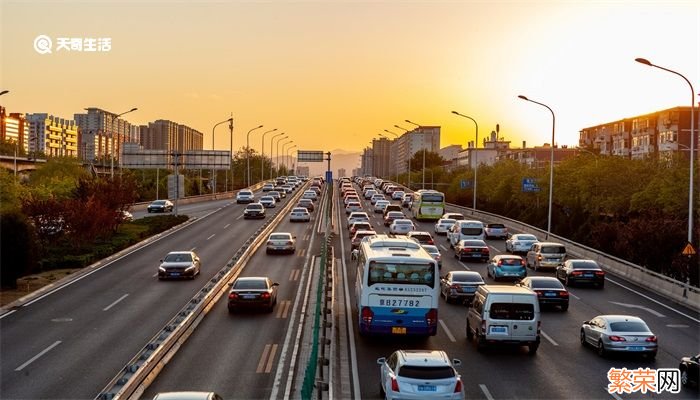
(174, 274)
(501, 330)
(248, 296)
(550, 294)
(398, 330)
(427, 388)
(635, 348)
(588, 275)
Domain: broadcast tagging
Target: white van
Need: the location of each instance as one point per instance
(501, 314)
(465, 230)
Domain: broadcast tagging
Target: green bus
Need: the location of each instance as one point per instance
(428, 205)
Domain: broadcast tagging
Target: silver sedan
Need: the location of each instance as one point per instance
(520, 243)
(619, 334)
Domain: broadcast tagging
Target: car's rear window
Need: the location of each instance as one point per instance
(496, 226)
(279, 237)
(421, 372)
(628, 326)
(526, 237)
(466, 277)
(250, 285)
(299, 210)
(254, 206)
(473, 243)
(512, 311)
(546, 284)
(553, 249)
(584, 265)
(511, 261)
(471, 231)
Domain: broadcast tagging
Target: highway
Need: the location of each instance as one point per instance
(71, 342)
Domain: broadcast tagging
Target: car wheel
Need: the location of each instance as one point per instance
(601, 349)
(565, 307)
(582, 338)
(480, 343)
(470, 334)
(231, 310)
(566, 281)
(532, 348)
(534, 266)
(382, 394)
(685, 379)
(601, 285)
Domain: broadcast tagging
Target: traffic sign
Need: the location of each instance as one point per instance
(530, 185)
(465, 184)
(309, 156)
(689, 250)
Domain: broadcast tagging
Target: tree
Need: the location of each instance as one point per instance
(18, 250)
(432, 159)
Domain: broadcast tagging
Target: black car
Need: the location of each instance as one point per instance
(179, 264)
(460, 286)
(550, 292)
(254, 210)
(690, 374)
(160, 206)
(252, 292)
(581, 271)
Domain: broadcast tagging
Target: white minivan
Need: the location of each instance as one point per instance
(465, 230)
(502, 314)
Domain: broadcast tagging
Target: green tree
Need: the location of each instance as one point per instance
(18, 249)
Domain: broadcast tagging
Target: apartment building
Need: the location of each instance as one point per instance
(102, 134)
(13, 128)
(53, 136)
(168, 135)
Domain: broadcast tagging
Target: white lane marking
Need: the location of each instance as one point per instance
(239, 217)
(495, 249)
(546, 336)
(442, 246)
(614, 395)
(464, 265)
(447, 331)
(486, 391)
(574, 296)
(658, 314)
(7, 313)
(211, 236)
(677, 326)
(655, 301)
(115, 302)
(227, 225)
(31, 360)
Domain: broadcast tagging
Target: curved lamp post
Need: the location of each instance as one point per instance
(476, 152)
(111, 169)
(247, 154)
(284, 152)
(262, 155)
(272, 139)
(692, 142)
(277, 159)
(230, 120)
(289, 156)
(551, 166)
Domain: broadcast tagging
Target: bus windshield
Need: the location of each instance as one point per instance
(405, 274)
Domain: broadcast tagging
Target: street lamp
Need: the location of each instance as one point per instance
(284, 151)
(476, 152)
(213, 183)
(111, 169)
(262, 155)
(423, 140)
(277, 159)
(247, 154)
(289, 156)
(4, 92)
(551, 166)
(271, 140)
(595, 156)
(692, 142)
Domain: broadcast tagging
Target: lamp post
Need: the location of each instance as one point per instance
(4, 92)
(595, 156)
(111, 168)
(247, 154)
(692, 142)
(476, 152)
(410, 155)
(289, 157)
(262, 155)
(284, 152)
(271, 140)
(213, 183)
(277, 159)
(551, 166)
(423, 140)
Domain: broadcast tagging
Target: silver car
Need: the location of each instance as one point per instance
(299, 214)
(420, 374)
(520, 243)
(619, 334)
(443, 225)
(281, 242)
(401, 226)
(268, 201)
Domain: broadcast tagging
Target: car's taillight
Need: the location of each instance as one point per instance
(600, 273)
(367, 315)
(232, 296)
(617, 338)
(651, 339)
(563, 293)
(458, 386)
(431, 317)
(394, 385)
(485, 250)
(430, 241)
(522, 262)
(500, 263)
(539, 293)
(576, 273)
(483, 325)
(265, 295)
(539, 325)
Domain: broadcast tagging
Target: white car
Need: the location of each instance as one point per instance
(397, 195)
(376, 198)
(353, 206)
(401, 226)
(380, 205)
(520, 242)
(268, 201)
(245, 196)
(281, 242)
(420, 374)
(310, 194)
(443, 225)
(268, 187)
(357, 216)
(300, 214)
(370, 193)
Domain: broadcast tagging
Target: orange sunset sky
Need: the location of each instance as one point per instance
(335, 74)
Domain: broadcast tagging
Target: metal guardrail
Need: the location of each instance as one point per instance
(143, 368)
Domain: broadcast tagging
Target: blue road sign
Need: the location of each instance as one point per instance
(530, 185)
(465, 184)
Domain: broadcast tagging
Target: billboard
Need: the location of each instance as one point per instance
(191, 159)
(309, 156)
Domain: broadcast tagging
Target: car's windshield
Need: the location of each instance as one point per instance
(183, 257)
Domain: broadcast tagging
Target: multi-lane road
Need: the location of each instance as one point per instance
(70, 343)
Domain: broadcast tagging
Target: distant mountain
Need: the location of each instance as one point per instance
(339, 159)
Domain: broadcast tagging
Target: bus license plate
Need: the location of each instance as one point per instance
(398, 330)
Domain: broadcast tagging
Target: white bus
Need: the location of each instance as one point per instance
(397, 287)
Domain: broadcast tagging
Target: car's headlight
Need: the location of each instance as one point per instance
(161, 269)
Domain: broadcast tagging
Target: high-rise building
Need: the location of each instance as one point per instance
(13, 129)
(381, 150)
(171, 136)
(102, 133)
(411, 142)
(302, 170)
(341, 172)
(53, 136)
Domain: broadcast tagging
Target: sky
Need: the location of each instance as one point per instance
(336, 74)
